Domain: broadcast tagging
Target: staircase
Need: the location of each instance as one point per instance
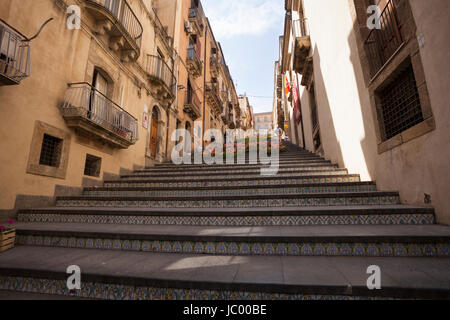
(226, 232)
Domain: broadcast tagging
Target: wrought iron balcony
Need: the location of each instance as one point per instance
(213, 97)
(91, 113)
(302, 44)
(214, 66)
(192, 105)
(162, 78)
(14, 55)
(382, 43)
(117, 19)
(196, 19)
(194, 62)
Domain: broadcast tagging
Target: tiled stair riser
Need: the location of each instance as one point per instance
(233, 171)
(231, 183)
(245, 248)
(371, 219)
(251, 176)
(225, 167)
(110, 291)
(230, 192)
(251, 203)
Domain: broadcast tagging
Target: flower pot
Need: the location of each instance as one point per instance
(7, 239)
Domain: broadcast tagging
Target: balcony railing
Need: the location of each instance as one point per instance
(14, 55)
(122, 12)
(196, 18)
(382, 43)
(88, 109)
(300, 28)
(194, 62)
(192, 105)
(162, 29)
(159, 71)
(194, 53)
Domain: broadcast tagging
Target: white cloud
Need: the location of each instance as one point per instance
(231, 18)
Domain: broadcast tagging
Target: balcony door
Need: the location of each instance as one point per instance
(154, 133)
(97, 108)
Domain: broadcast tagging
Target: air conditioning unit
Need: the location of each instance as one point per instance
(188, 27)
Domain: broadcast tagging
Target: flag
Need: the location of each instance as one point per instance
(297, 105)
(287, 85)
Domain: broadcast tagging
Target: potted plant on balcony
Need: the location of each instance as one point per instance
(7, 236)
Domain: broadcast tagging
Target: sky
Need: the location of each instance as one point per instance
(248, 31)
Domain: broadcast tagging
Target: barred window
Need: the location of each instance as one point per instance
(50, 151)
(400, 104)
(92, 166)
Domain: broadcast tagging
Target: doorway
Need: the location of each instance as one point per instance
(154, 132)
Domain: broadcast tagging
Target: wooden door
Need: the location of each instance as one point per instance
(153, 137)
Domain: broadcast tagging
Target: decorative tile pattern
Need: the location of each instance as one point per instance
(109, 291)
(189, 192)
(176, 179)
(298, 168)
(251, 248)
(334, 200)
(385, 219)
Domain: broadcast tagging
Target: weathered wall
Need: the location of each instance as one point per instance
(347, 122)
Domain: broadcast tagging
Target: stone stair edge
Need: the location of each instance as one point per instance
(397, 292)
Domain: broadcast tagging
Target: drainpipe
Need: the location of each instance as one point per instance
(301, 114)
(204, 90)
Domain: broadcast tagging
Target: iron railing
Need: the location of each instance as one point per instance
(382, 43)
(193, 101)
(157, 68)
(161, 27)
(300, 28)
(122, 11)
(196, 13)
(83, 100)
(14, 53)
(194, 52)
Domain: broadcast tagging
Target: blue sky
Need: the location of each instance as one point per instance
(248, 31)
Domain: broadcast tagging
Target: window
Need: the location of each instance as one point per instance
(399, 104)
(50, 151)
(92, 166)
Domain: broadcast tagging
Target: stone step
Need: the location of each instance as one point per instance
(246, 163)
(229, 191)
(350, 215)
(225, 167)
(236, 182)
(370, 241)
(120, 275)
(235, 201)
(250, 170)
(245, 174)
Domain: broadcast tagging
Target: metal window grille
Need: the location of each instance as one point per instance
(92, 166)
(50, 151)
(400, 104)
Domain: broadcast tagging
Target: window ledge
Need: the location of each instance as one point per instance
(412, 133)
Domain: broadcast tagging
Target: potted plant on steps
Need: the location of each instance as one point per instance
(7, 236)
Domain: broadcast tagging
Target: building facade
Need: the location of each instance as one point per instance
(247, 119)
(369, 91)
(263, 121)
(100, 90)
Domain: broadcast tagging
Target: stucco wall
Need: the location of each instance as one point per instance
(346, 119)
